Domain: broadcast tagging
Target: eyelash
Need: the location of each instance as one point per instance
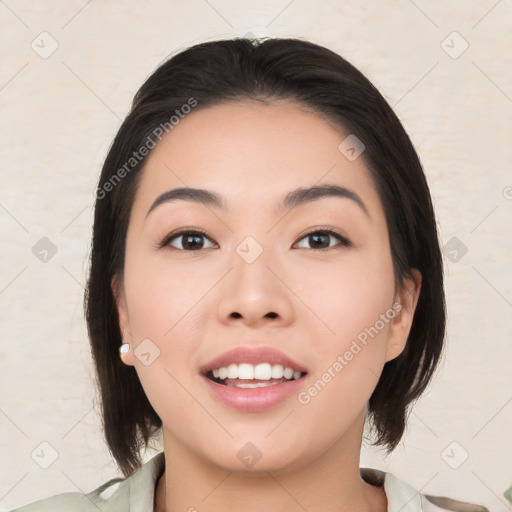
(344, 242)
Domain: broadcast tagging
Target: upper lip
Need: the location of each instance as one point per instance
(253, 356)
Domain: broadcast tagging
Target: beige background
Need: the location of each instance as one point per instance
(59, 114)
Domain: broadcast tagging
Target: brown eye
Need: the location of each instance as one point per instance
(321, 239)
(191, 240)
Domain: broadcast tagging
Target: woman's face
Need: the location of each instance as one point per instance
(261, 278)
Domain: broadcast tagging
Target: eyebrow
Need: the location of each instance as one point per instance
(293, 199)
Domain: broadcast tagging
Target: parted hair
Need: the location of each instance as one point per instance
(265, 69)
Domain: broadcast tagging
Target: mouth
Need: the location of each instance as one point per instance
(253, 379)
(245, 393)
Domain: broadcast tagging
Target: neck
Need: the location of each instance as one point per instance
(329, 483)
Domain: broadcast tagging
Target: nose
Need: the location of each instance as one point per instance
(255, 294)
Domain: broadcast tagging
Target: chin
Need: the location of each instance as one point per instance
(253, 458)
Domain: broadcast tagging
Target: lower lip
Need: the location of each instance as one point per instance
(254, 399)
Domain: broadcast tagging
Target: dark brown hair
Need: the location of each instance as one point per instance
(265, 69)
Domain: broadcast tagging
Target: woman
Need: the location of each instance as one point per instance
(265, 277)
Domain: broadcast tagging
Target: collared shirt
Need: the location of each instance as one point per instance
(136, 494)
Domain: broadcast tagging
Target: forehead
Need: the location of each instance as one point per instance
(253, 154)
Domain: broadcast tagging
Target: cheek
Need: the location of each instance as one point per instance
(163, 308)
(164, 303)
(161, 295)
(345, 298)
(355, 305)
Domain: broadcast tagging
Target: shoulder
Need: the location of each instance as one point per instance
(71, 501)
(132, 494)
(76, 502)
(401, 496)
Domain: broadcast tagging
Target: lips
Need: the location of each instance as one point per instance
(252, 356)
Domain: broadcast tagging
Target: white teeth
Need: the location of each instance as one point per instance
(232, 371)
(288, 373)
(277, 371)
(262, 371)
(245, 371)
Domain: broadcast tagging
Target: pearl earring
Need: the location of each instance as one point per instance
(124, 349)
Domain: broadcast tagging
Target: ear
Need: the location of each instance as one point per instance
(124, 323)
(405, 306)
